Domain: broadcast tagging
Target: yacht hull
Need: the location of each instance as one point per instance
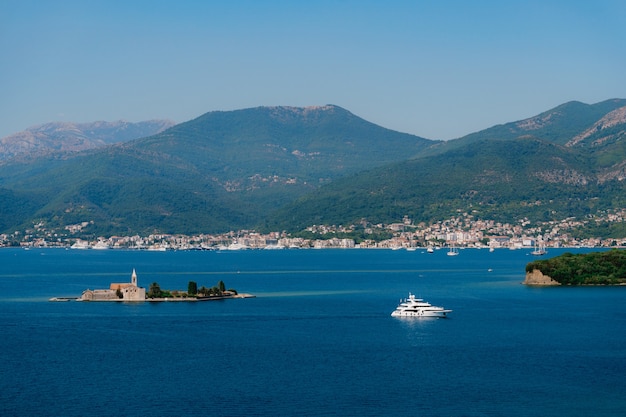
(417, 307)
(440, 314)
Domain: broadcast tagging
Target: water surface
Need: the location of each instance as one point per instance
(317, 340)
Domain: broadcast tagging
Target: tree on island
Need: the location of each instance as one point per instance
(192, 288)
(217, 290)
(154, 291)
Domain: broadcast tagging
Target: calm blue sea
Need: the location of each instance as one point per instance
(317, 340)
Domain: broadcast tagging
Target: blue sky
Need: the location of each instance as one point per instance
(437, 69)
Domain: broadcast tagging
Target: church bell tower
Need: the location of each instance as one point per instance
(133, 278)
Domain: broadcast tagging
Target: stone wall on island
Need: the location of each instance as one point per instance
(538, 278)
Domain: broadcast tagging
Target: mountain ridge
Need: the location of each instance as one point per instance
(559, 124)
(311, 144)
(222, 169)
(62, 137)
(286, 168)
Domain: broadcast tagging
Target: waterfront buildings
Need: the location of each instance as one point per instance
(463, 230)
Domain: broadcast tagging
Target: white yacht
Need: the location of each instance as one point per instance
(417, 307)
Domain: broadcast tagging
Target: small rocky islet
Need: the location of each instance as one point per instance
(594, 268)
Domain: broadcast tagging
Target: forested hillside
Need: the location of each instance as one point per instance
(220, 171)
(492, 179)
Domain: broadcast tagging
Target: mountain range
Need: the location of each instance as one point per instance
(566, 162)
(286, 168)
(72, 137)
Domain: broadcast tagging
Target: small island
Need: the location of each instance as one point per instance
(193, 293)
(595, 268)
(130, 291)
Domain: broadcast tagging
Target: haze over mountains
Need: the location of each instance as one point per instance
(71, 137)
(287, 168)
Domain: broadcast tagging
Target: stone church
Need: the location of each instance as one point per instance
(129, 291)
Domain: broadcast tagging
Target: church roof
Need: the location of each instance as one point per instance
(115, 286)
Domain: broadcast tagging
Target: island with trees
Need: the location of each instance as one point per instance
(595, 268)
(193, 293)
(131, 291)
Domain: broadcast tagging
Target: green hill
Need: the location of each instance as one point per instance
(311, 144)
(596, 268)
(499, 180)
(558, 125)
(221, 171)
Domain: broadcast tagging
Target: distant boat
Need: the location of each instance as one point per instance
(236, 246)
(430, 249)
(539, 250)
(80, 244)
(101, 245)
(453, 251)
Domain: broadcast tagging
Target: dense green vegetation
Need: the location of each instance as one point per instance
(492, 179)
(13, 206)
(596, 268)
(605, 229)
(155, 291)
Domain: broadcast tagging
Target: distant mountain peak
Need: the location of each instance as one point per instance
(290, 112)
(305, 109)
(71, 137)
(556, 115)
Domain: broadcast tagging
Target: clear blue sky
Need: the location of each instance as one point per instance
(438, 69)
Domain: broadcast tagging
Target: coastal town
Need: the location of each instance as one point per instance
(463, 230)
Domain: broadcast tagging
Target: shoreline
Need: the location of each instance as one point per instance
(195, 299)
(222, 250)
(155, 300)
